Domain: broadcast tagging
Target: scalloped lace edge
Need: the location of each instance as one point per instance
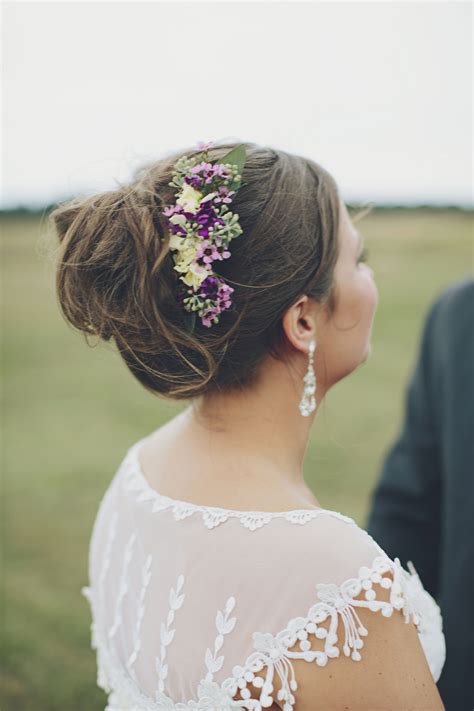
(273, 651)
(212, 516)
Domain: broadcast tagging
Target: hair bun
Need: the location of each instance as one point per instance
(115, 273)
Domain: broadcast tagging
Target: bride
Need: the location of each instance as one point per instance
(232, 278)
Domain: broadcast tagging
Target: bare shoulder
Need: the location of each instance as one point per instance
(391, 674)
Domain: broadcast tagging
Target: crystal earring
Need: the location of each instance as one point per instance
(308, 401)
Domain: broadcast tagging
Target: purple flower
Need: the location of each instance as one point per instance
(207, 252)
(210, 171)
(171, 210)
(218, 293)
(202, 167)
(207, 318)
(203, 146)
(223, 294)
(189, 215)
(193, 180)
(221, 171)
(224, 194)
(206, 217)
(209, 287)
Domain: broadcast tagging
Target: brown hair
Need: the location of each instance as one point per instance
(115, 276)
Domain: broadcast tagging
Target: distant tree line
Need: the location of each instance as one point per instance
(30, 211)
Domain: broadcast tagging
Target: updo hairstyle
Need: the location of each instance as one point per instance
(115, 277)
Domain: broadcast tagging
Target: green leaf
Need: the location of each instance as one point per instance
(236, 157)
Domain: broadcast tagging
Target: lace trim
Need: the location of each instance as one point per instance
(272, 652)
(212, 516)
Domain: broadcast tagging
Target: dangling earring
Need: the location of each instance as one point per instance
(308, 401)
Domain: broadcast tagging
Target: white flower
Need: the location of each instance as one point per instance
(178, 219)
(209, 196)
(195, 275)
(184, 257)
(177, 242)
(189, 198)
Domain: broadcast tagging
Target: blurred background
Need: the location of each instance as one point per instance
(379, 93)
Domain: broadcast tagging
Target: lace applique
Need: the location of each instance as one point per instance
(123, 585)
(336, 602)
(273, 653)
(146, 577)
(212, 516)
(167, 634)
(224, 626)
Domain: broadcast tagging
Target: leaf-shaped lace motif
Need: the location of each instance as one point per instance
(146, 577)
(123, 585)
(224, 626)
(166, 633)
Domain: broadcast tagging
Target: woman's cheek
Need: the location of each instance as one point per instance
(375, 291)
(371, 291)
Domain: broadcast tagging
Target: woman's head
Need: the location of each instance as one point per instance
(115, 275)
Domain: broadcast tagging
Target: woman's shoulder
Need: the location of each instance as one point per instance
(330, 547)
(336, 590)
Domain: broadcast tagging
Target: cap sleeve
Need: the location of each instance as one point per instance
(347, 571)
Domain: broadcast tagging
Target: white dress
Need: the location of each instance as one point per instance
(197, 607)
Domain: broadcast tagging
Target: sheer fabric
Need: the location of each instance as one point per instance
(197, 607)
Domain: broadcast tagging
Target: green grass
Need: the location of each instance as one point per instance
(70, 411)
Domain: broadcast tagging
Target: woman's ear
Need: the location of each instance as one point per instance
(299, 323)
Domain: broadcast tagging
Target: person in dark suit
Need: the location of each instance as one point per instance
(422, 508)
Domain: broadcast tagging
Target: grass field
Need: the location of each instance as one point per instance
(71, 411)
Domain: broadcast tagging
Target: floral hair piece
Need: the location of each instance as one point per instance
(201, 227)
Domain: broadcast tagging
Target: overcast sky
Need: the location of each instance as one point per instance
(380, 93)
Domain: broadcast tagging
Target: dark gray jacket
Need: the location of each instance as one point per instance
(422, 508)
